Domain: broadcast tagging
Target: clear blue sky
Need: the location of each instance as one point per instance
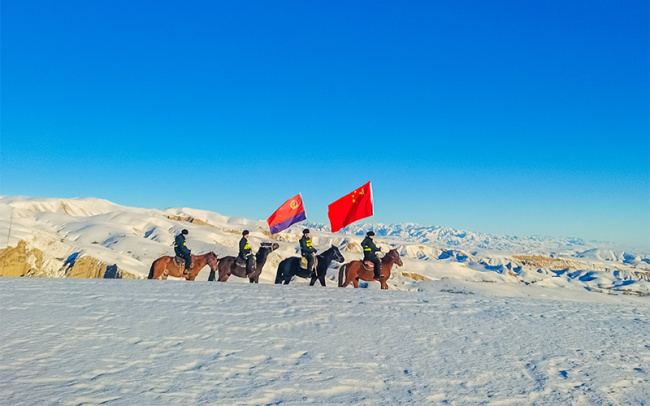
(507, 117)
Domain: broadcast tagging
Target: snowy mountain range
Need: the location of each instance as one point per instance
(85, 237)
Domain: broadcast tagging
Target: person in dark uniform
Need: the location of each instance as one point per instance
(306, 249)
(180, 248)
(369, 252)
(246, 253)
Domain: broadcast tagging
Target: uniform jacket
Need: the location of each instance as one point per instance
(305, 246)
(369, 248)
(244, 248)
(180, 248)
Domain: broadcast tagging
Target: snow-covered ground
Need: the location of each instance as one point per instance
(142, 342)
(132, 238)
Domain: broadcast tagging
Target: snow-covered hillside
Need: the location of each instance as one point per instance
(45, 233)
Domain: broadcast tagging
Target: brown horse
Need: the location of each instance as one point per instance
(166, 266)
(228, 265)
(355, 270)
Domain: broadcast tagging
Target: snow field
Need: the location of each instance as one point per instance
(125, 342)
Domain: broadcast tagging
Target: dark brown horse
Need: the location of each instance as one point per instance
(166, 266)
(355, 270)
(228, 265)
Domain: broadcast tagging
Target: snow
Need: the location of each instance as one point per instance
(469, 318)
(124, 342)
(132, 238)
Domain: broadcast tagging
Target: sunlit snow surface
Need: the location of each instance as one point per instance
(127, 342)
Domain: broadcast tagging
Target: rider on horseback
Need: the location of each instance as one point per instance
(180, 248)
(369, 249)
(246, 253)
(306, 249)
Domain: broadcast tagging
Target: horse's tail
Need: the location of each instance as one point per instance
(151, 270)
(343, 274)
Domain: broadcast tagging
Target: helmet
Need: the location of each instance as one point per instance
(245, 232)
(370, 233)
(305, 231)
(185, 231)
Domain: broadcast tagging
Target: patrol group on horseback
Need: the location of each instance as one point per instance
(246, 259)
(344, 211)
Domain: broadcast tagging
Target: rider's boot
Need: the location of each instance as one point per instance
(377, 275)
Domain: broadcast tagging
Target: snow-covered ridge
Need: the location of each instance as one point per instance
(474, 241)
(131, 238)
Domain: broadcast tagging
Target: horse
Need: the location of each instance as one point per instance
(355, 270)
(165, 266)
(228, 265)
(291, 266)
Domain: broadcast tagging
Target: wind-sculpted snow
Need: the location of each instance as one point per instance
(143, 342)
(132, 238)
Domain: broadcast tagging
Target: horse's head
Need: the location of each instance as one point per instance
(270, 246)
(211, 260)
(265, 249)
(394, 257)
(338, 257)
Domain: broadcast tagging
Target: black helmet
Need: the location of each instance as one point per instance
(185, 231)
(245, 232)
(305, 231)
(370, 233)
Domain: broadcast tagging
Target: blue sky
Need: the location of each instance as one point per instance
(507, 117)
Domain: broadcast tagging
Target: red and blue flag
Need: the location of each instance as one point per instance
(291, 212)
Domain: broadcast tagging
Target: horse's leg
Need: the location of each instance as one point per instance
(355, 282)
(313, 280)
(384, 285)
(211, 277)
(322, 280)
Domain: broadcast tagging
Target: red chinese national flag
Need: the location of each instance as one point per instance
(350, 208)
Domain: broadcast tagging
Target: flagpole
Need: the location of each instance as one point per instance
(372, 201)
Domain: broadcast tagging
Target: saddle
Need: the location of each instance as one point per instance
(180, 261)
(242, 264)
(303, 262)
(369, 265)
